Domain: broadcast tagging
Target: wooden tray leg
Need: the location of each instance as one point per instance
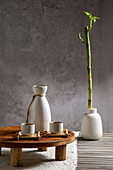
(60, 153)
(42, 149)
(16, 156)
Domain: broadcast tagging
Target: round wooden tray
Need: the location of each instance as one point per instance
(8, 139)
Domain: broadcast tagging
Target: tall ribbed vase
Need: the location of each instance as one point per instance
(39, 110)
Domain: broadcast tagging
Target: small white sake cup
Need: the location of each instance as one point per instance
(27, 128)
(56, 127)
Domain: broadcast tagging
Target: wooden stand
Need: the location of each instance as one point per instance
(8, 139)
(42, 149)
(16, 156)
(60, 153)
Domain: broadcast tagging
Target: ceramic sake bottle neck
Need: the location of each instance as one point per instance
(91, 111)
(40, 89)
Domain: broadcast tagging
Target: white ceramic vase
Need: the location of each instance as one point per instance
(39, 112)
(91, 126)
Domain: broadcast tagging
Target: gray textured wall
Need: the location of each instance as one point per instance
(38, 46)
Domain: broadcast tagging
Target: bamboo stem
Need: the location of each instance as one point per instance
(89, 75)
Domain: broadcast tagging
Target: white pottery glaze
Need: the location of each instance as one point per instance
(91, 126)
(56, 127)
(27, 128)
(39, 112)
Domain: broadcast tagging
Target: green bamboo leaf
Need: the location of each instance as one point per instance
(80, 38)
(95, 18)
(88, 14)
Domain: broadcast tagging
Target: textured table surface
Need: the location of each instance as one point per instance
(95, 154)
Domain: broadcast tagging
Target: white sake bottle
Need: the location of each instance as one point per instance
(39, 110)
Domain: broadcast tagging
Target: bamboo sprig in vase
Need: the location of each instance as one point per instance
(88, 54)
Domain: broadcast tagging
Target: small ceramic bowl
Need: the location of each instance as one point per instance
(27, 128)
(56, 127)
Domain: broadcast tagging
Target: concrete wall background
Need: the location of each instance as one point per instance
(38, 46)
